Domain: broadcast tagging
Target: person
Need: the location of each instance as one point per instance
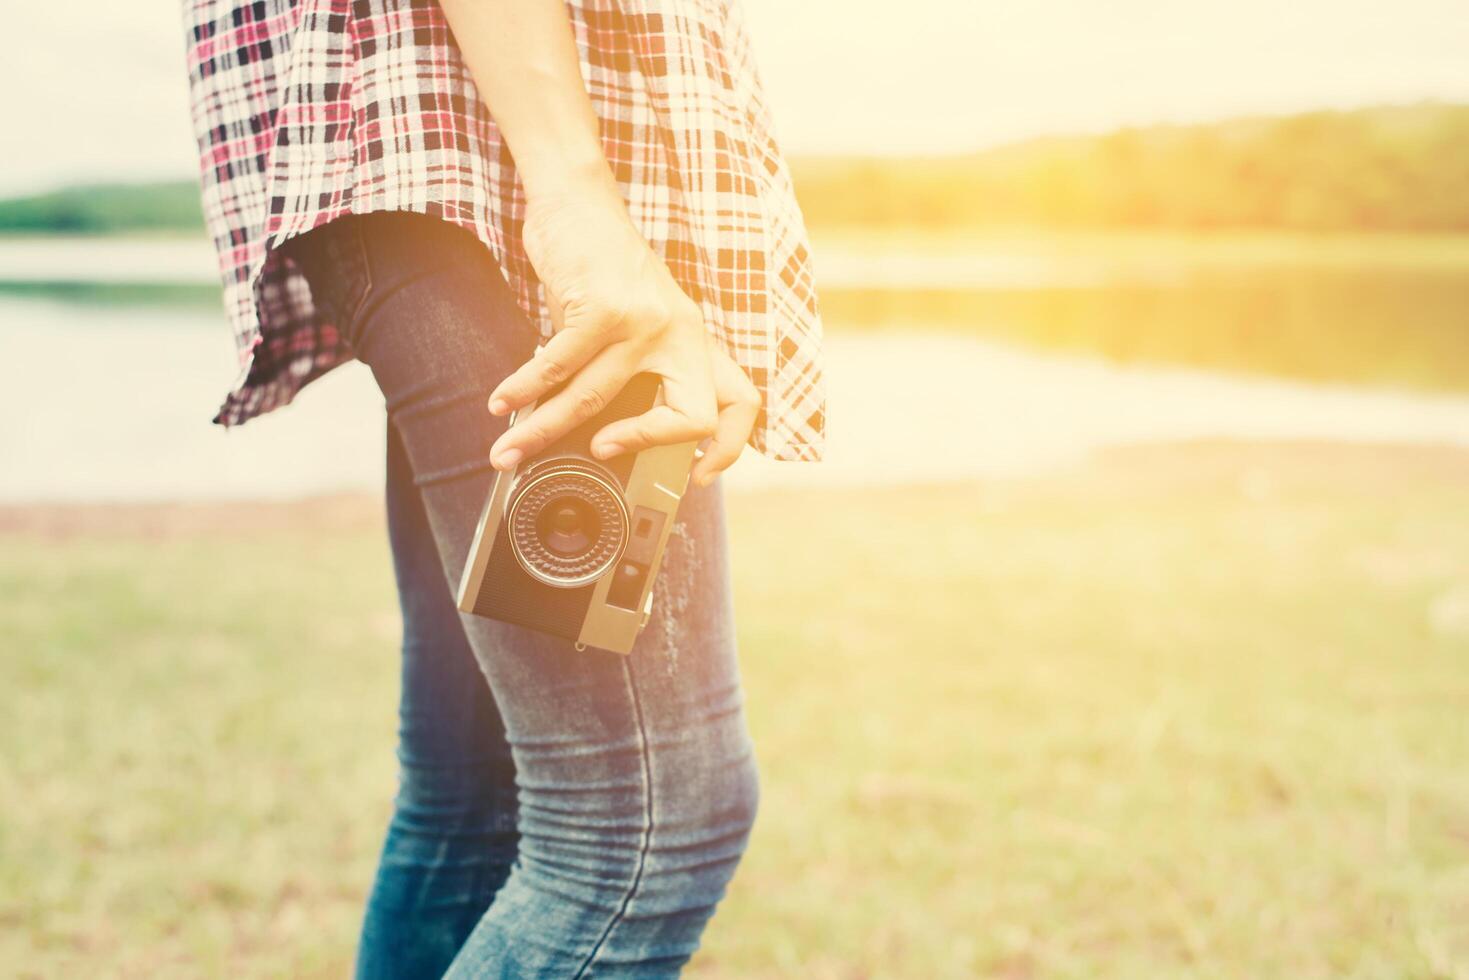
(482, 201)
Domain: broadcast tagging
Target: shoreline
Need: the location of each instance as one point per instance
(1256, 469)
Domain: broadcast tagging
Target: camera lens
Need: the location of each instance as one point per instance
(568, 522)
(568, 526)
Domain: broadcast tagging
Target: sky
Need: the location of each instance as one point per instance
(95, 89)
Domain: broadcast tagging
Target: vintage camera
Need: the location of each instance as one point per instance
(570, 545)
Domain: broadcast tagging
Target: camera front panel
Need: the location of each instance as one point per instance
(570, 545)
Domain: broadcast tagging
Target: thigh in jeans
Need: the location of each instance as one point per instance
(635, 774)
(452, 838)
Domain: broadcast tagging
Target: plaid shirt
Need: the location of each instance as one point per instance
(306, 110)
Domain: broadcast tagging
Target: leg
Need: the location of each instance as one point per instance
(452, 838)
(636, 778)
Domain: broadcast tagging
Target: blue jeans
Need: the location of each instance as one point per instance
(560, 813)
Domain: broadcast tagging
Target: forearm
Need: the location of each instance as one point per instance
(522, 56)
(617, 307)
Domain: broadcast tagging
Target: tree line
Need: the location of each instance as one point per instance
(1394, 168)
(1378, 169)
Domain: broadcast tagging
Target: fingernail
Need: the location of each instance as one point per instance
(608, 450)
(498, 406)
(508, 459)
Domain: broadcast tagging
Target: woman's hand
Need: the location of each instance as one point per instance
(617, 311)
(616, 307)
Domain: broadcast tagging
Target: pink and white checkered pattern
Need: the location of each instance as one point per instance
(306, 110)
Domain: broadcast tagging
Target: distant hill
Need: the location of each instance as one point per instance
(103, 208)
(1393, 168)
(1387, 168)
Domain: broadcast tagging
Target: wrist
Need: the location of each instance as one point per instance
(555, 179)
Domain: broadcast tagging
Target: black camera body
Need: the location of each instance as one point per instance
(570, 545)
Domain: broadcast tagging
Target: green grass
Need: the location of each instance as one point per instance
(1197, 713)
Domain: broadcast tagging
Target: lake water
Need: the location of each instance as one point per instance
(113, 401)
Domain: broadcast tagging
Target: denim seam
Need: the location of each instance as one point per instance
(647, 841)
(452, 473)
(361, 308)
(354, 318)
(372, 298)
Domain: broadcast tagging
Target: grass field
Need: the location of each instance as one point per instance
(1200, 712)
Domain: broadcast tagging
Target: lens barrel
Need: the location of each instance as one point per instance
(568, 522)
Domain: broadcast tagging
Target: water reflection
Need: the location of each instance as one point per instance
(108, 380)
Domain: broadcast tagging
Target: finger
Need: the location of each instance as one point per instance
(661, 425)
(587, 394)
(558, 359)
(731, 432)
(689, 383)
(739, 407)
